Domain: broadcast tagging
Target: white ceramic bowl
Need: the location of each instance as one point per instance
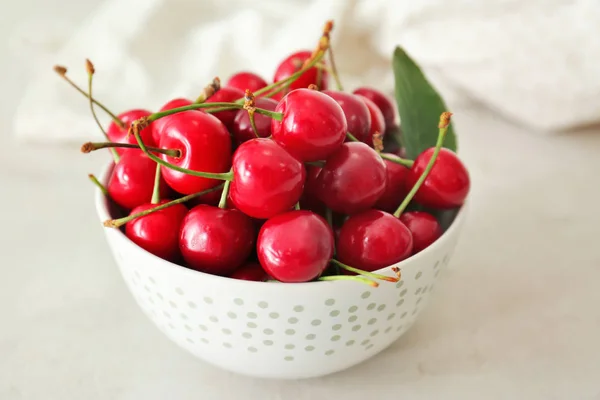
(277, 330)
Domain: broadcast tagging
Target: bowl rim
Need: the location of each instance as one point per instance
(103, 214)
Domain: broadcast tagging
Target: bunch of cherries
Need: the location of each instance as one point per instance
(297, 189)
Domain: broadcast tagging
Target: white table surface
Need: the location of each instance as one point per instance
(516, 317)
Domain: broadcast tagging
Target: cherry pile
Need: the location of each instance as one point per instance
(287, 181)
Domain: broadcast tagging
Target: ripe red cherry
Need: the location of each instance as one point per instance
(377, 121)
(242, 129)
(158, 233)
(447, 184)
(395, 187)
(383, 102)
(295, 246)
(119, 135)
(373, 240)
(251, 271)
(292, 64)
(425, 229)
(267, 180)
(215, 240)
(353, 179)
(226, 95)
(132, 180)
(313, 125)
(157, 125)
(205, 146)
(246, 80)
(356, 112)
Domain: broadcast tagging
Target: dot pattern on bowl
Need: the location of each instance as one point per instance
(258, 327)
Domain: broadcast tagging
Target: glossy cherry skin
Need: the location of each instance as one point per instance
(226, 95)
(251, 271)
(373, 240)
(353, 179)
(395, 187)
(313, 125)
(295, 246)
(158, 233)
(310, 199)
(383, 102)
(117, 134)
(242, 129)
(246, 80)
(447, 184)
(358, 116)
(377, 121)
(267, 180)
(292, 64)
(215, 240)
(425, 229)
(156, 125)
(205, 146)
(132, 180)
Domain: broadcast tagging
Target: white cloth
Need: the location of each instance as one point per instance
(535, 62)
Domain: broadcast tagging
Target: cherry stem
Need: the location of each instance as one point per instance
(364, 273)
(397, 160)
(329, 216)
(223, 199)
(216, 107)
(443, 128)
(156, 189)
(62, 71)
(280, 85)
(250, 106)
(100, 186)
(90, 71)
(297, 206)
(209, 90)
(319, 164)
(115, 223)
(349, 278)
(135, 128)
(334, 70)
(92, 146)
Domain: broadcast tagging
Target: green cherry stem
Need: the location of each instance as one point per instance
(329, 216)
(397, 160)
(62, 72)
(297, 206)
(364, 273)
(115, 223)
(223, 199)
(349, 278)
(443, 128)
(319, 164)
(156, 189)
(92, 146)
(225, 176)
(100, 186)
(90, 71)
(334, 70)
(280, 85)
(216, 107)
(352, 137)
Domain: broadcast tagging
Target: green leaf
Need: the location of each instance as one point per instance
(419, 106)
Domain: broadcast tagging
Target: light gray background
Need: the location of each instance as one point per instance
(516, 317)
